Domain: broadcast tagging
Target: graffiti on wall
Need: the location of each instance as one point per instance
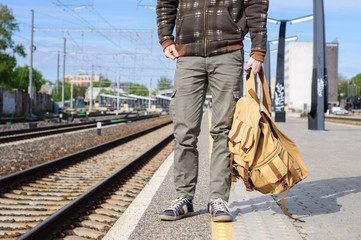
(279, 97)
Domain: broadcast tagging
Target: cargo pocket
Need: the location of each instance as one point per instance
(172, 105)
(271, 177)
(275, 170)
(245, 137)
(241, 138)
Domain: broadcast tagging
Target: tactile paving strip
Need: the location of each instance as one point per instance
(258, 216)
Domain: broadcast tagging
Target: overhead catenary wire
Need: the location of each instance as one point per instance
(132, 50)
(72, 12)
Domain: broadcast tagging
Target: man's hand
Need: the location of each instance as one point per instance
(171, 52)
(254, 64)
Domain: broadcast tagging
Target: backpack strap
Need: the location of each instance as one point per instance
(251, 88)
(266, 97)
(279, 176)
(253, 94)
(285, 209)
(236, 133)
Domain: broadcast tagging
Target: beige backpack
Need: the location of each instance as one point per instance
(265, 158)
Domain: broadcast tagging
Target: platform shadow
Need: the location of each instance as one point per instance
(307, 198)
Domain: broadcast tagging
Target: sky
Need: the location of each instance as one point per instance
(134, 54)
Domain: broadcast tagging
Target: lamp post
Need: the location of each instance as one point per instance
(63, 82)
(280, 115)
(31, 65)
(316, 118)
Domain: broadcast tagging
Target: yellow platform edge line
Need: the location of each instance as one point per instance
(220, 230)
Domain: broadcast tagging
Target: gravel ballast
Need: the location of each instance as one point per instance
(20, 155)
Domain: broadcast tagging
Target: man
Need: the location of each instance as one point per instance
(209, 52)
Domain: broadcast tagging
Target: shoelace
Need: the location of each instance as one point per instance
(218, 205)
(177, 204)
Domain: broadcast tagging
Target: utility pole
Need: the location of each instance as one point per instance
(150, 87)
(319, 100)
(71, 95)
(31, 64)
(63, 83)
(57, 75)
(91, 90)
(100, 89)
(118, 94)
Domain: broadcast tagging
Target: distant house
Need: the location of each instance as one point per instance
(83, 79)
(47, 88)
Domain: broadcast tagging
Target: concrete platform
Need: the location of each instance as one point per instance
(328, 200)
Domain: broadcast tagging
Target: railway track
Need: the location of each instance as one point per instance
(347, 119)
(17, 135)
(63, 116)
(29, 209)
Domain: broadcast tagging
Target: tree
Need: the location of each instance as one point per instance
(67, 91)
(164, 83)
(8, 48)
(355, 84)
(138, 89)
(105, 83)
(20, 78)
(342, 87)
(81, 90)
(78, 91)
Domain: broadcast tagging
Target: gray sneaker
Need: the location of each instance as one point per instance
(179, 208)
(218, 208)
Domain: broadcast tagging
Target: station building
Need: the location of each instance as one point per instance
(298, 74)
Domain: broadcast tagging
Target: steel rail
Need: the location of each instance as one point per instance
(30, 120)
(54, 223)
(51, 130)
(29, 130)
(7, 182)
(344, 118)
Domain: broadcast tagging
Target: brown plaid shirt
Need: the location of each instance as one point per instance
(210, 27)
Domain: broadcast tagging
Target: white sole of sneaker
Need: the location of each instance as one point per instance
(222, 219)
(171, 218)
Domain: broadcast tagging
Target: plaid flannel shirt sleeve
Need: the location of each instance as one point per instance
(166, 16)
(256, 15)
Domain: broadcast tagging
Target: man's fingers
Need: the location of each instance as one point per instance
(169, 55)
(249, 64)
(256, 67)
(174, 51)
(171, 52)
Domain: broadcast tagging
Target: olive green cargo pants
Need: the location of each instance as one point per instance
(222, 73)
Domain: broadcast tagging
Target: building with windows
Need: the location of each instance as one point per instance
(298, 74)
(82, 79)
